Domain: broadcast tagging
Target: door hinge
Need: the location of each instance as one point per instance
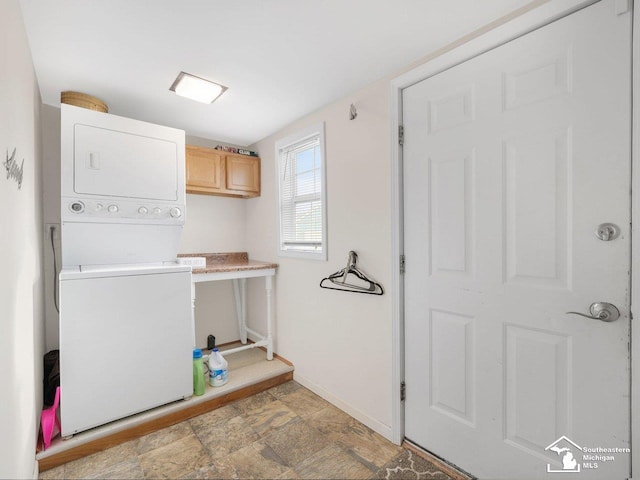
(403, 391)
(402, 264)
(401, 134)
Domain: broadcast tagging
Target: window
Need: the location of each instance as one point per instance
(302, 194)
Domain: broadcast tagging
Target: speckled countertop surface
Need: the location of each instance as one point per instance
(228, 262)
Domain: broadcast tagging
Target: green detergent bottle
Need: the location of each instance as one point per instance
(198, 372)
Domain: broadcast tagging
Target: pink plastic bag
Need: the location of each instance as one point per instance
(48, 419)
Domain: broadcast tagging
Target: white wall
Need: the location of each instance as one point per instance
(51, 211)
(340, 343)
(21, 286)
(214, 224)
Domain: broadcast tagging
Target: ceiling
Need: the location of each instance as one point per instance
(281, 59)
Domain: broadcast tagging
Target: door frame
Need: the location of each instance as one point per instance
(528, 18)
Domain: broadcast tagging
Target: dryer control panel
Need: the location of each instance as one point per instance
(112, 210)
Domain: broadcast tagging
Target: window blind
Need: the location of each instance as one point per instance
(301, 196)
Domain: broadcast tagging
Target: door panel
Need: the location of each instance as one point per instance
(536, 401)
(452, 373)
(451, 214)
(535, 185)
(511, 161)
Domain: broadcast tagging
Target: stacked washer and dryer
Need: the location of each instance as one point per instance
(126, 329)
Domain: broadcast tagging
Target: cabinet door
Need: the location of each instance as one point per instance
(243, 173)
(204, 168)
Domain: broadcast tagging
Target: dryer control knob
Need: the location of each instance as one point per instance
(143, 210)
(175, 212)
(157, 210)
(113, 208)
(77, 207)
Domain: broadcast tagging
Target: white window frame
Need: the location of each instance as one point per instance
(301, 135)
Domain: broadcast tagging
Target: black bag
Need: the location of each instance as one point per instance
(51, 376)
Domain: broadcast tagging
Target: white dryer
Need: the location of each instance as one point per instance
(123, 189)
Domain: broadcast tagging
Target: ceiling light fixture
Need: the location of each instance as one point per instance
(196, 88)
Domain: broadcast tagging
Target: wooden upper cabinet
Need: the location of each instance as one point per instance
(215, 172)
(243, 173)
(204, 168)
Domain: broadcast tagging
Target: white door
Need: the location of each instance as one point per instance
(511, 162)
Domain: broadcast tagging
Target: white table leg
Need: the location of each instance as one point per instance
(268, 287)
(240, 294)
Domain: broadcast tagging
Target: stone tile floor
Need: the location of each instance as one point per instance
(285, 432)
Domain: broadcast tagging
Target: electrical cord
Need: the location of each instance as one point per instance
(55, 270)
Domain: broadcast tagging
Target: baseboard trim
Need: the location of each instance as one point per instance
(275, 355)
(372, 423)
(172, 418)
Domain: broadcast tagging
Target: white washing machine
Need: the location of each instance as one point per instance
(126, 340)
(126, 328)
